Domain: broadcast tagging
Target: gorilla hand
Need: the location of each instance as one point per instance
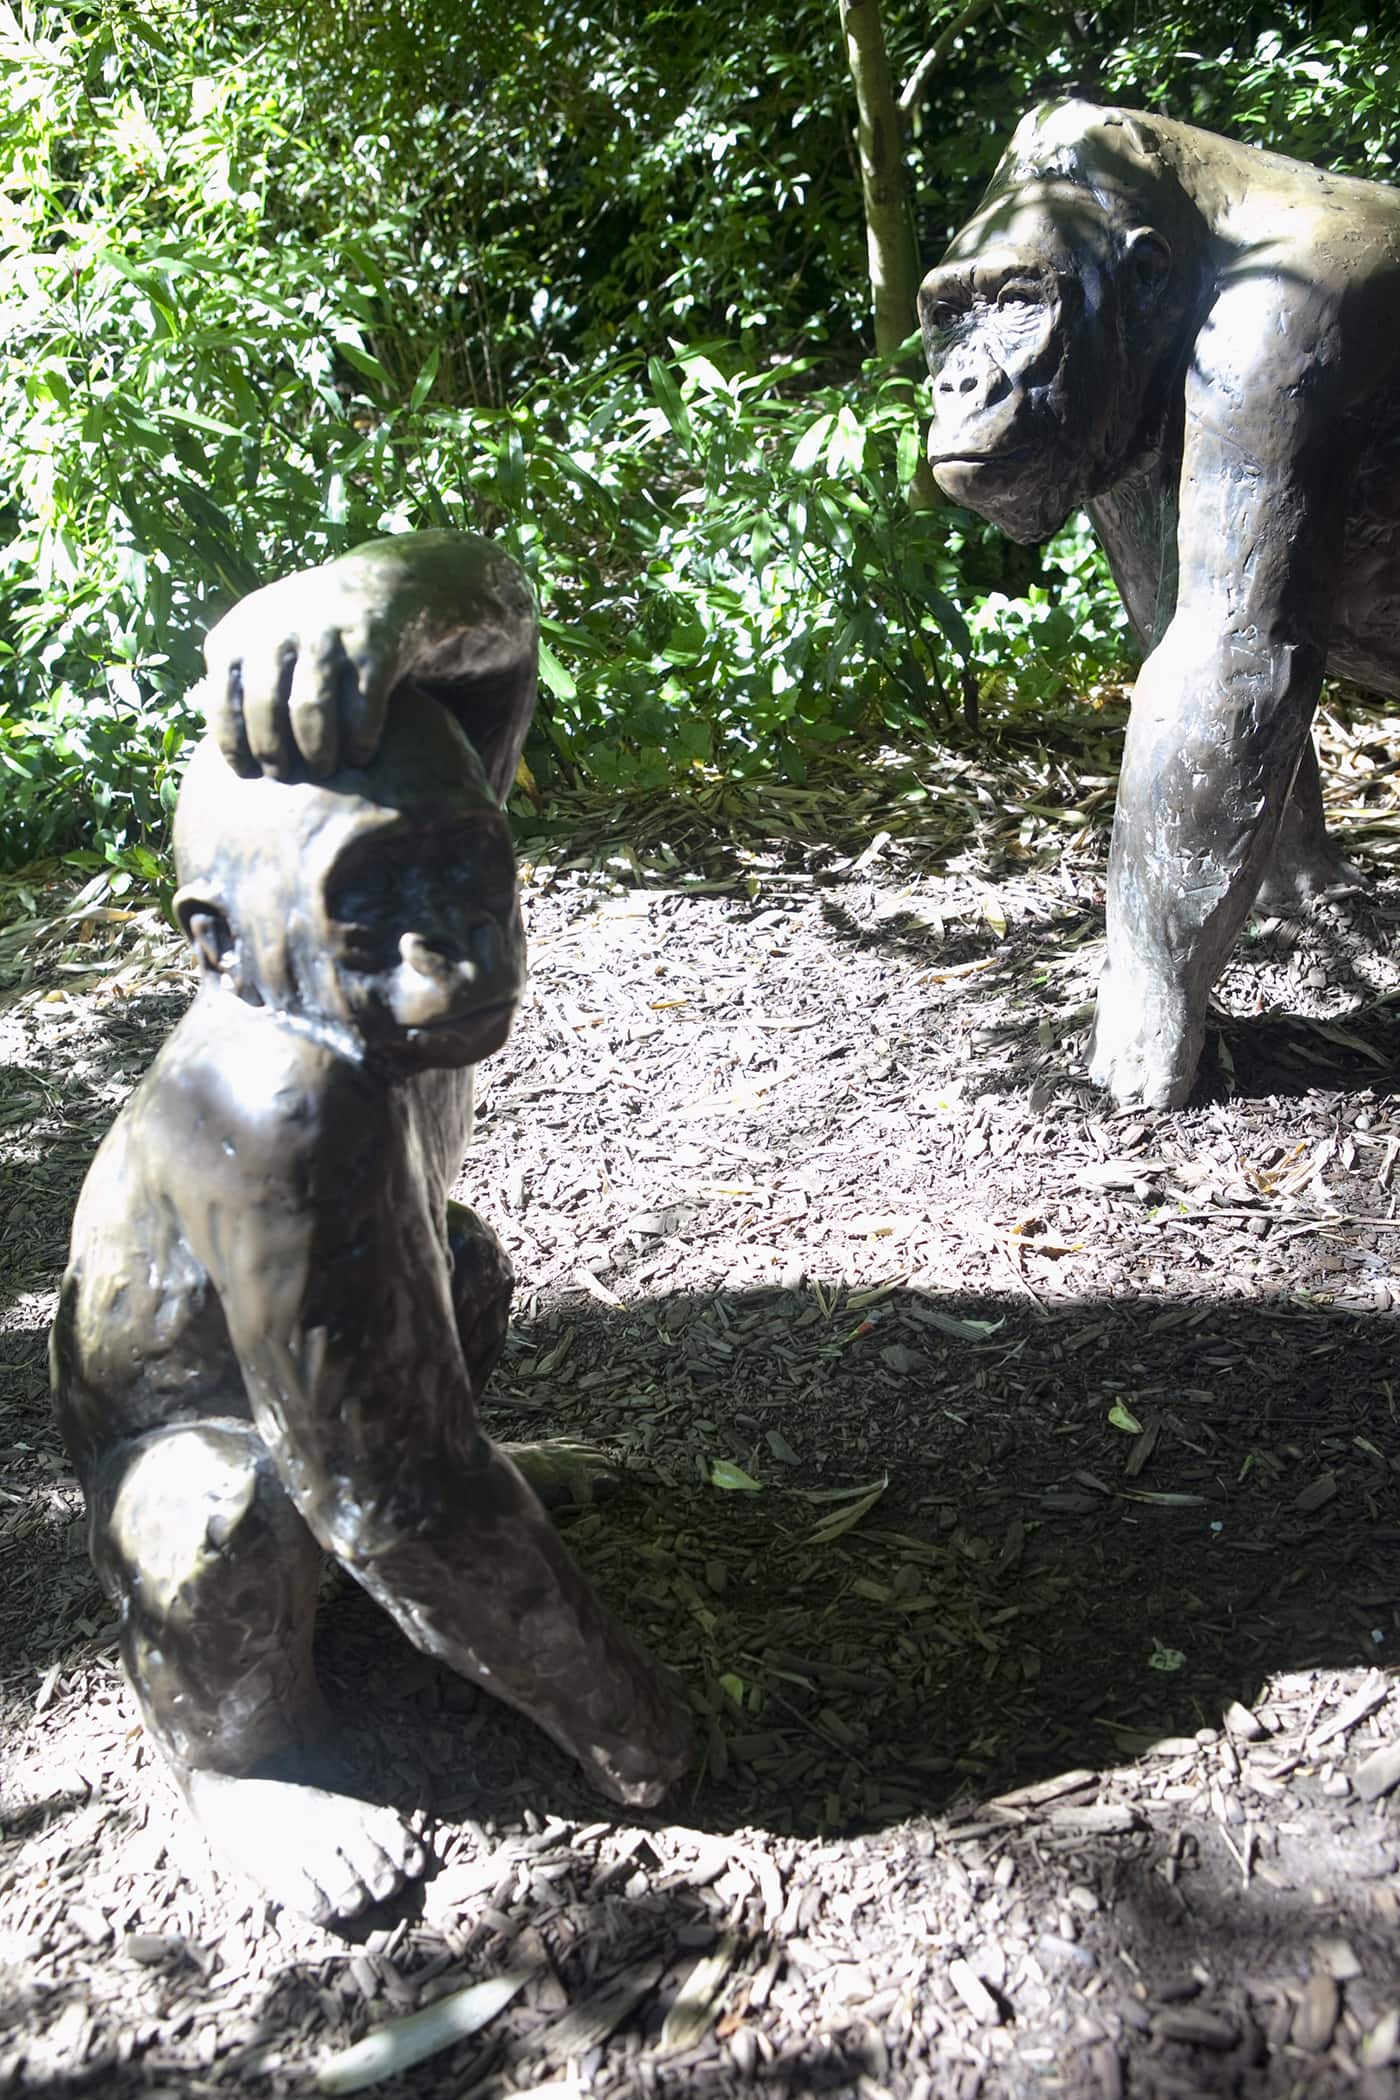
(301, 669)
(300, 674)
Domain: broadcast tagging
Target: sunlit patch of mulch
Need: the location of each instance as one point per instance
(1012, 1485)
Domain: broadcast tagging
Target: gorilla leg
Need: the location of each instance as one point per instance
(480, 1579)
(1208, 768)
(482, 1284)
(216, 1578)
(1306, 861)
(560, 1471)
(454, 1543)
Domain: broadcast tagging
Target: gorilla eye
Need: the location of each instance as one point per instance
(1012, 295)
(944, 316)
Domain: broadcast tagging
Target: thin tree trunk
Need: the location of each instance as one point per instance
(889, 223)
(889, 218)
(913, 89)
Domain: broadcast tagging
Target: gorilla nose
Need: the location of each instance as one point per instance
(979, 386)
(425, 960)
(478, 966)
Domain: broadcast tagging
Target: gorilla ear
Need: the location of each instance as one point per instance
(207, 930)
(1147, 258)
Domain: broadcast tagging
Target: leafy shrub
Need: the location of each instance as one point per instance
(207, 378)
(172, 418)
(275, 278)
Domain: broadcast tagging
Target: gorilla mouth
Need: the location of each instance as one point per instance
(473, 1017)
(979, 459)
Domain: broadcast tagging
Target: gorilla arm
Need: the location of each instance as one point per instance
(1222, 704)
(336, 1286)
(300, 672)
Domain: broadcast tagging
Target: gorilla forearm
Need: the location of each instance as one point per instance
(1212, 745)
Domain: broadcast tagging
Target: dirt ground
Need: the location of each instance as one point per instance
(1011, 1484)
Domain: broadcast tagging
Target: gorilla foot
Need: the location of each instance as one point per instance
(1145, 1045)
(562, 1473)
(1298, 877)
(323, 1855)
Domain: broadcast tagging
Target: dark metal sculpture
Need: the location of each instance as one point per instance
(1200, 342)
(274, 1329)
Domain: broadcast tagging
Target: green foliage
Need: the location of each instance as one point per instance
(275, 277)
(1333, 98)
(216, 368)
(727, 567)
(1058, 638)
(1306, 79)
(581, 184)
(174, 417)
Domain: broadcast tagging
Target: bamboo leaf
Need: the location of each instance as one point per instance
(672, 407)
(697, 2002)
(842, 1520)
(810, 445)
(423, 384)
(560, 682)
(387, 2050)
(364, 362)
(725, 1474)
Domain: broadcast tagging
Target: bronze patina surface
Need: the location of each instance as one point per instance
(1199, 342)
(274, 1329)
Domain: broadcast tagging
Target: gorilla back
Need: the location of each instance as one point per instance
(1199, 342)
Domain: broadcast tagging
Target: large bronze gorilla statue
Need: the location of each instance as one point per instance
(274, 1328)
(1199, 342)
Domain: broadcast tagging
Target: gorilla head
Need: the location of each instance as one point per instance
(1049, 321)
(376, 910)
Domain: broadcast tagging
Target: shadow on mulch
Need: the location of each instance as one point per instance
(1273, 1053)
(1095, 1526)
(1098, 1527)
(677, 1921)
(974, 1557)
(1036, 1587)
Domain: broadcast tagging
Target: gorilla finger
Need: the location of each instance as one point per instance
(314, 702)
(367, 698)
(300, 1890)
(344, 1890)
(219, 697)
(383, 1874)
(266, 685)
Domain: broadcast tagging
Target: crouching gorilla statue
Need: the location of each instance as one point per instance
(1200, 342)
(274, 1328)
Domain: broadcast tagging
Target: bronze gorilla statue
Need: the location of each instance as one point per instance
(274, 1328)
(1200, 343)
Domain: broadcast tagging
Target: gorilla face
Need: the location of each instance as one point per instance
(424, 930)
(1034, 338)
(997, 342)
(376, 910)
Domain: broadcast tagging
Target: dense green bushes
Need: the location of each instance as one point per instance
(276, 279)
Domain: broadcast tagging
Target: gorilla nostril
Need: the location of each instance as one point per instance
(422, 956)
(968, 385)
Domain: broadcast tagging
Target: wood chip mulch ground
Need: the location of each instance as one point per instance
(1012, 1485)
